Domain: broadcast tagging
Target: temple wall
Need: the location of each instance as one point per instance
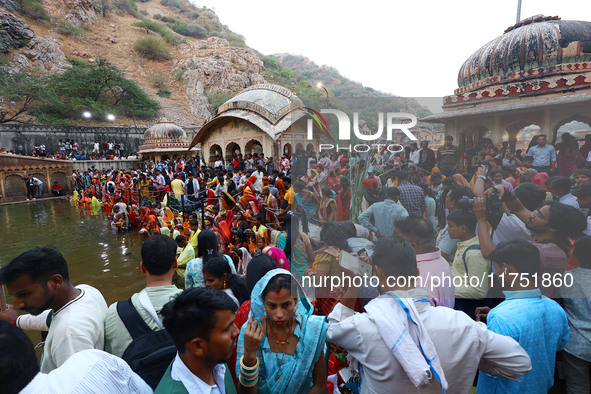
(240, 133)
(14, 168)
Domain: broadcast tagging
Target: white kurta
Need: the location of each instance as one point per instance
(461, 343)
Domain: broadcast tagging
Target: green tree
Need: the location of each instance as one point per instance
(99, 87)
(19, 93)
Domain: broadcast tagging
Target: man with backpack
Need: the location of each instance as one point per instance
(132, 327)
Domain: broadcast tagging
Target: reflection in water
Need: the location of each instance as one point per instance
(95, 256)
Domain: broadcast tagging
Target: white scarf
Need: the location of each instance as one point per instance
(246, 257)
(398, 322)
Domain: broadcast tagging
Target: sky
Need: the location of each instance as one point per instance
(407, 48)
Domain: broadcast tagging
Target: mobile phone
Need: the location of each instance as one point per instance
(362, 252)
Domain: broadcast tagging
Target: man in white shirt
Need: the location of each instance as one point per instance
(561, 186)
(201, 324)
(414, 155)
(38, 187)
(159, 179)
(88, 371)
(74, 316)
(218, 162)
(457, 346)
(259, 174)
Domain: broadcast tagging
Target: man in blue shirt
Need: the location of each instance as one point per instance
(538, 323)
(544, 155)
(384, 214)
(576, 298)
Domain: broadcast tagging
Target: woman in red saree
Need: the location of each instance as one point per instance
(334, 183)
(569, 156)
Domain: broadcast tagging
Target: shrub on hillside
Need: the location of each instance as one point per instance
(159, 80)
(71, 29)
(161, 29)
(168, 19)
(235, 40)
(176, 4)
(216, 99)
(163, 93)
(151, 48)
(189, 29)
(149, 25)
(172, 38)
(33, 9)
(127, 6)
(179, 72)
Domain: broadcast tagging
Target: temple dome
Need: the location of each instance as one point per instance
(164, 137)
(535, 47)
(267, 100)
(164, 131)
(272, 108)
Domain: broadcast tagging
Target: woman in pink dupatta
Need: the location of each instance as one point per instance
(278, 257)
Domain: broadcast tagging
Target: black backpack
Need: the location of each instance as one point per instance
(151, 352)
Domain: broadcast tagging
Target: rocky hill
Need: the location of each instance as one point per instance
(207, 62)
(198, 71)
(329, 76)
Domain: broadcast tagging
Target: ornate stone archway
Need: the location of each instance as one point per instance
(215, 150)
(231, 149)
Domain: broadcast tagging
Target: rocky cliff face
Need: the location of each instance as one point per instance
(76, 10)
(213, 67)
(10, 5)
(14, 32)
(42, 54)
(201, 72)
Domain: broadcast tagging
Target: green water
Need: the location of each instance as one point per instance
(96, 257)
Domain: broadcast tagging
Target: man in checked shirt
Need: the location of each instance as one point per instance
(411, 197)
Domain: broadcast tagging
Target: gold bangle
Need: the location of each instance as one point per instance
(248, 384)
(249, 374)
(256, 365)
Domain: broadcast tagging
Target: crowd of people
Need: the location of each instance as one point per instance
(419, 271)
(69, 149)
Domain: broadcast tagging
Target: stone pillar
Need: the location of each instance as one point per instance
(513, 139)
(2, 182)
(496, 132)
(546, 127)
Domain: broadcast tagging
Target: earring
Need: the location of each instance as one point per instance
(506, 272)
(224, 285)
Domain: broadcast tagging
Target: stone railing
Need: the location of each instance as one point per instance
(85, 165)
